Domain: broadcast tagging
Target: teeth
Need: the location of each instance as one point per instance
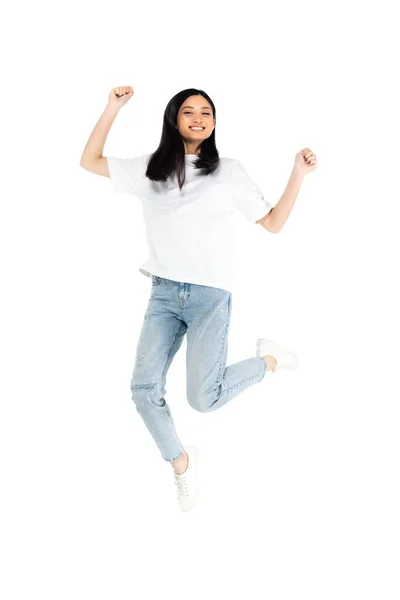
(197, 128)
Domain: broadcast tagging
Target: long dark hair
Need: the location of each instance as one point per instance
(169, 157)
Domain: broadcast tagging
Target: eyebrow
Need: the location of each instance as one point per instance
(193, 107)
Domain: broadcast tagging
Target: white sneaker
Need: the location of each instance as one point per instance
(186, 484)
(285, 359)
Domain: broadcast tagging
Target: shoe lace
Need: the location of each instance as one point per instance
(181, 485)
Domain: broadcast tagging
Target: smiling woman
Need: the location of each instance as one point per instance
(196, 120)
(188, 129)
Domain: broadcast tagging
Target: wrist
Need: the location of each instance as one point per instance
(112, 109)
(298, 173)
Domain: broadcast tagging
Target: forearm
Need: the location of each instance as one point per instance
(281, 211)
(95, 144)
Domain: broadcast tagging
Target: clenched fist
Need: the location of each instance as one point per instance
(120, 96)
(305, 161)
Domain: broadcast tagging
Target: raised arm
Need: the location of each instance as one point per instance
(305, 161)
(92, 157)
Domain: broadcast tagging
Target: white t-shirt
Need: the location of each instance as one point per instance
(190, 232)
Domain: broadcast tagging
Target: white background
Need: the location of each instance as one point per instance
(299, 488)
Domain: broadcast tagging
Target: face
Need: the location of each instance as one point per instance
(195, 111)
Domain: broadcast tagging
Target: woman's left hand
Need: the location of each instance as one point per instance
(305, 161)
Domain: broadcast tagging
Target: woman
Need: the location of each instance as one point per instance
(189, 194)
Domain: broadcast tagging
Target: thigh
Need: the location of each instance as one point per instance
(207, 342)
(160, 338)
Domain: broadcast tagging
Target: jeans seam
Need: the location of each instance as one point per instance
(224, 338)
(163, 381)
(239, 384)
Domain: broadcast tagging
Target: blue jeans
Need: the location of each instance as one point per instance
(203, 313)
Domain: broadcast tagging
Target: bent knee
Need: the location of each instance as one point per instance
(203, 402)
(146, 393)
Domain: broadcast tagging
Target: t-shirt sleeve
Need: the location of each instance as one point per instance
(247, 196)
(127, 175)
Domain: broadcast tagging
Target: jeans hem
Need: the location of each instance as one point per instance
(172, 459)
(265, 365)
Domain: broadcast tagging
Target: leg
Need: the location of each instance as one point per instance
(210, 384)
(161, 336)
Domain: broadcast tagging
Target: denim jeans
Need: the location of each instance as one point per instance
(202, 312)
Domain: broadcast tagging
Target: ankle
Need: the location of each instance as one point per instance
(270, 362)
(181, 464)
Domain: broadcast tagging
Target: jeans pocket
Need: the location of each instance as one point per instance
(156, 280)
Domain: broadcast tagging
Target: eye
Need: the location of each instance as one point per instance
(189, 111)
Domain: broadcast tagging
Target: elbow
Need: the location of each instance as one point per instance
(272, 228)
(268, 223)
(87, 159)
(275, 230)
(84, 164)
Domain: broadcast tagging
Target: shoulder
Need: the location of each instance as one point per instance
(227, 162)
(129, 163)
(233, 168)
(141, 160)
(227, 165)
(232, 165)
(127, 174)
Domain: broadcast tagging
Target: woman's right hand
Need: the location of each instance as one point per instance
(120, 96)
